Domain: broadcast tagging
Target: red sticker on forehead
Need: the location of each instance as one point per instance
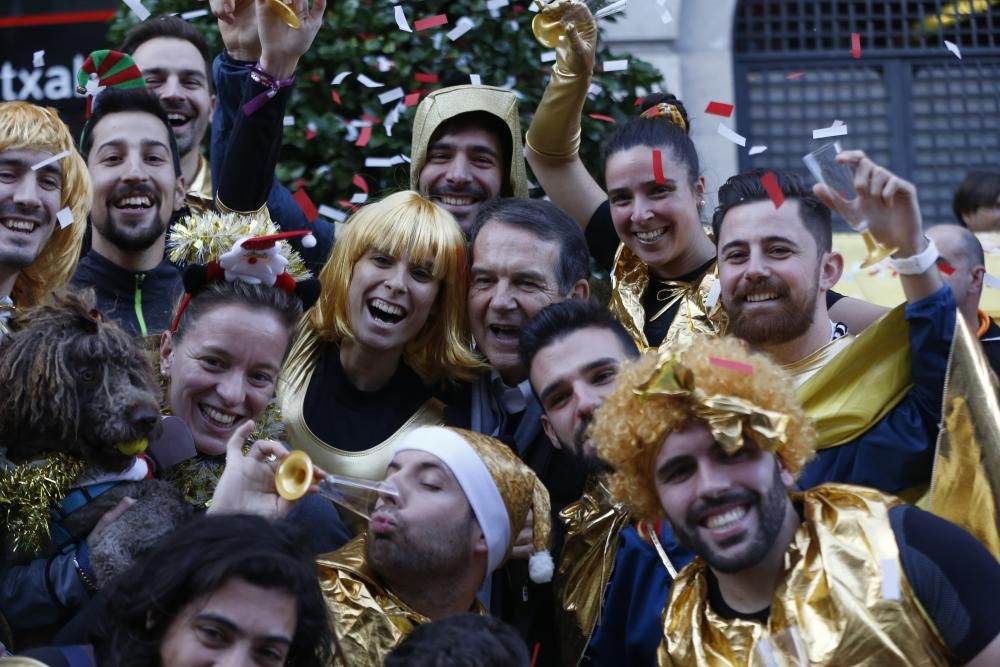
(658, 166)
(770, 183)
(737, 366)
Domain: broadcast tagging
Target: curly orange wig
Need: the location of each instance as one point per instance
(629, 429)
(25, 126)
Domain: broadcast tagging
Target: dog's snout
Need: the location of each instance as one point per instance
(144, 416)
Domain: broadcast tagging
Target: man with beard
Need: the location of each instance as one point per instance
(452, 504)
(877, 403)
(612, 580)
(38, 251)
(135, 168)
(174, 57)
(711, 437)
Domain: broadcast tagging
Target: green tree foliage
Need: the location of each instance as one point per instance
(358, 34)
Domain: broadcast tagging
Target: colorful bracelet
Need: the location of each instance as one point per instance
(273, 85)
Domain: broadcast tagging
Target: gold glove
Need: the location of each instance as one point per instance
(555, 129)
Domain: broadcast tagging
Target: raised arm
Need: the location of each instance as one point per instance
(552, 144)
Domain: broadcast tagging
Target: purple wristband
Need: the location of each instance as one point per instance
(258, 74)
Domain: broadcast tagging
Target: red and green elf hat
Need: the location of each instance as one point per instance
(107, 68)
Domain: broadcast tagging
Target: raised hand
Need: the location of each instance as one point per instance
(282, 46)
(247, 483)
(238, 27)
(576, 53)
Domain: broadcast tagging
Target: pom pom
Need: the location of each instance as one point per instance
(541, 567)
(308, 241)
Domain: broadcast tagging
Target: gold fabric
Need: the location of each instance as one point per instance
(858, 385)
(831, 591)
(965, 486)
(729, 418)
(368, 620)
(445, 104)
(199, 194)
(593, 524)
(292, 385)
(805, 368)
(697, 314)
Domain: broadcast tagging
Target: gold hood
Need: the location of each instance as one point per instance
(445, 104)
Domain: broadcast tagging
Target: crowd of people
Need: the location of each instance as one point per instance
(729, 463)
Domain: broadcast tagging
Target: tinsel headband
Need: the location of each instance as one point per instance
(668, 111)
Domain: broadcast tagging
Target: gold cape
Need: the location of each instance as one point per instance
(445, 104)
(831, 590)
(199, 195)
(965, 484)
(292, 386)
(368, 620)
(699, 312)
(593, 524)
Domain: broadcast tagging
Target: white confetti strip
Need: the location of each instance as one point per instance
(890, 579)
(359, 198)
(137, 9)
(666, 17)
(757, 150)
(615, 66)
(65, 217)
(38, 58)
(384, 64)
(737, 139)
(462, 26)
(594, 90)
(991, 281)
(475, 80)
(953, 47)
(401, 19)
(288, 121)
(331, 213)
(549, 56)
(49, 160)
(493, 5)
(369, 83)
(713, 295)
(835, 130)
(391, 95)
(384, 161)
(194, 14)
(337, 80)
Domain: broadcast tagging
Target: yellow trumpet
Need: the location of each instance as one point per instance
(286, 13)
(296, 474)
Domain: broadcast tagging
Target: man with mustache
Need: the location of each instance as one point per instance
(776, 266)
(612, 579)
(135, 168)
(711, 437)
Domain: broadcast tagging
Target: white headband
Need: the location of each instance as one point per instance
(474, 478)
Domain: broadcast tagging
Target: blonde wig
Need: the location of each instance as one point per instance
(405, 223)
(25, 126)
(629, 429)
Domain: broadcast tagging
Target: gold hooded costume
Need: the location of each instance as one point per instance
(368, 620)
(198, 197)
(841, 560)
(447, 103)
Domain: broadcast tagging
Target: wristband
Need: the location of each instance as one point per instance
(917, 264)
(273, 85)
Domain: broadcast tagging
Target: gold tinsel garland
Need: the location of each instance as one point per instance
(204, 237)
(27, 493)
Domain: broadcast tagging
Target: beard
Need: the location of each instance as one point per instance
(771, 515)
(133, 238)
(410, 557)
(794, 317)
(582, 453)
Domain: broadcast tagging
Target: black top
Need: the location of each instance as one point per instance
(347, 418)
(991, 346)
(953, 576)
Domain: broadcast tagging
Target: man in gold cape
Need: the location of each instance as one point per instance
(446, 517)
(711, 437)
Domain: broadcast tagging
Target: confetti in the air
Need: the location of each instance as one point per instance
(194, 14)
(728, 133)
(331, 213)
(757, 150)
(602, 117)
(401, 19)
(337, 80)
(770, 183)
(137, 9)
(38, 58)
(719, 109)
(855, 45)
(305, 203)
(391, 95)
(430, 22)
(65, 217)
(953, 47)
(368, 83)
(462, 26)
(615, 66)
(475, 80)
(49, 160)
(838, 129)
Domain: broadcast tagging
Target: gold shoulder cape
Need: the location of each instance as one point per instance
(368, 620)
(292, 386)
(700, 312)
(445, 104)
(593, 524)
(199, 195)
(841, 559)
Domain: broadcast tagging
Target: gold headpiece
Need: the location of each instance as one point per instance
(668, 111)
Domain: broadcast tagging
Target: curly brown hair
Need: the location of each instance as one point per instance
(629, 429)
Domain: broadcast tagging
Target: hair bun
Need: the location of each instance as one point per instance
(666, 106)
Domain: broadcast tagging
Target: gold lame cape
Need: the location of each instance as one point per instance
(965, 484)
(198, 197)
(841, 559)
(700, 312)
(368, 620)
(447, 103)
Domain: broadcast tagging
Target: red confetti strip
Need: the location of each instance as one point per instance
(658, 166)
(770, 183)
(945, 268)
(306, 204)
(638, 101)
(360, 183)
(795, 75)
(348, 205)
(425, 78)
(600, 116)
(737, 366)
(719, 109)
(299, 183)
(856, 45)
(310, 134)
(412, 99)
(364, 137)
(336, 97)
(430, 22)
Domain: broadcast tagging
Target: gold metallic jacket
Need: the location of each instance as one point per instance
(699, 311)
(445, 104)
(831, 590)
(368, 620)
(199, 195)
(593, 524)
